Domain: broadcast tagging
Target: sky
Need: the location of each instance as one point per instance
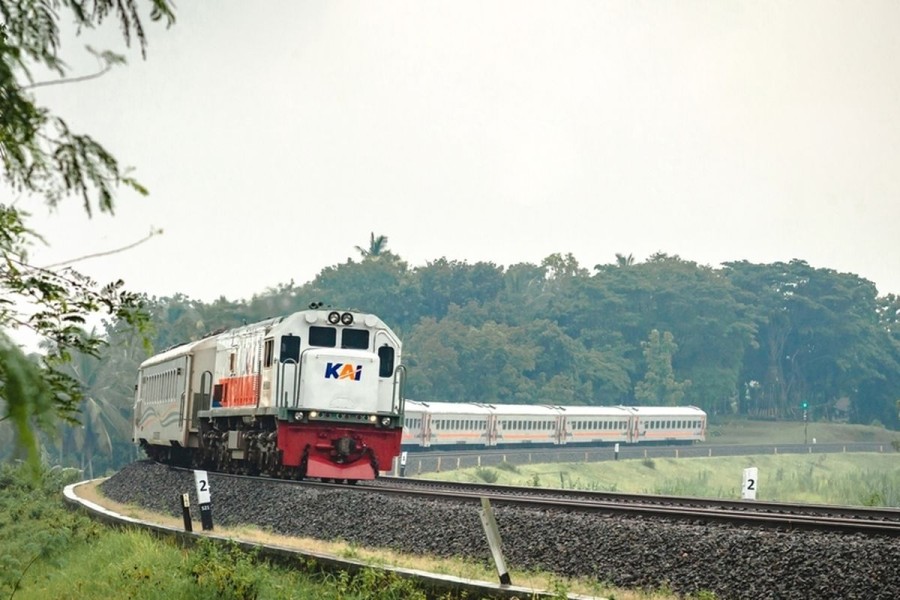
(275, 137)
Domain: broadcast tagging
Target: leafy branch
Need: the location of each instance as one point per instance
(40, 155)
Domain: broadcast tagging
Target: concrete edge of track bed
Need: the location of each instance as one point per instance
(432, 582)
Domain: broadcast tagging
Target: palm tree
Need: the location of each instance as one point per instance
(101, 416)
(377, 247)
(624, 261)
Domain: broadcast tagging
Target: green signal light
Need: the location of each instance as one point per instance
(804, 405)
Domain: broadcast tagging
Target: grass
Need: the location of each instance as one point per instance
(456, 567)
(50, 551)
(745, 431)
(862, 479)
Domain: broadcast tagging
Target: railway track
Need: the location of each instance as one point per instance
(784, 516)
(645, 549)
(770, 514)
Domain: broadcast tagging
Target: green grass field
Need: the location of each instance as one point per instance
(863, 479)
(744, 431)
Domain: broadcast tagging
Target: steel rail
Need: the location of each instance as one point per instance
(669, 507)
(787, 508)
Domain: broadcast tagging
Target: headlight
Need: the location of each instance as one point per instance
(385, 421)
(372, 418)
(334, 317)
(347, 319)
(313, 414)
(298, 416)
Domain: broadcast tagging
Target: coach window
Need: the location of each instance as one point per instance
(290, 349)
(356, 339)
(386, 361)
(323, 337)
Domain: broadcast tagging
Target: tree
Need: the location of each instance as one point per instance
(659, 386)
(624, 261)
(377, 247)
(42, 157)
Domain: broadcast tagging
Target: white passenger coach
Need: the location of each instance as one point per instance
(446, 424)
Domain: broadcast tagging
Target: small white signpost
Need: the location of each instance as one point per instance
(751, 482)
(204, 499)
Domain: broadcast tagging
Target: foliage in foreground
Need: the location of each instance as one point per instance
(50, 551)
(43, 158)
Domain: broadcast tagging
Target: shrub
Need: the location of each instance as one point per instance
(487, 475)
(225, 572)
(506, 466)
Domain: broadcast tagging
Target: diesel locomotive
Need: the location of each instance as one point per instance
(317, 394)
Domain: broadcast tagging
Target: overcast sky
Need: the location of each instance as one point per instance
(275, 137)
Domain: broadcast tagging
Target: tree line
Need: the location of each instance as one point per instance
(757, 340)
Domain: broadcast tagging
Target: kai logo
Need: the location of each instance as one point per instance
(343, 371)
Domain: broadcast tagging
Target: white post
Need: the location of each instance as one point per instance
(204, 499)
(751, 483)
(493, 535)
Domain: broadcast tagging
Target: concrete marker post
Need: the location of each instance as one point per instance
(186, 512)
(493, 536)
(751, 483)
(204, 499)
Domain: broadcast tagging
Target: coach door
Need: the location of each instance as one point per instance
(493, 423)
(203, 361)
(426, 429)
(561, 423)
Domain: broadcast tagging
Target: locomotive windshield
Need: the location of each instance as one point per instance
(324, 337)
(357, 339)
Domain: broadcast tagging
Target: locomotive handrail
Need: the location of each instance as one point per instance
(399, 383)
(279, 389)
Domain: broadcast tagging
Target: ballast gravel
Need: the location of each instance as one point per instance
(633, 552)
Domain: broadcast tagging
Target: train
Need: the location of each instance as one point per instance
(320, 394)
(317, 394)
(446, 425)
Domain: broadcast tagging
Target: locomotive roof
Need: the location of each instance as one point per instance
(225, 336)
